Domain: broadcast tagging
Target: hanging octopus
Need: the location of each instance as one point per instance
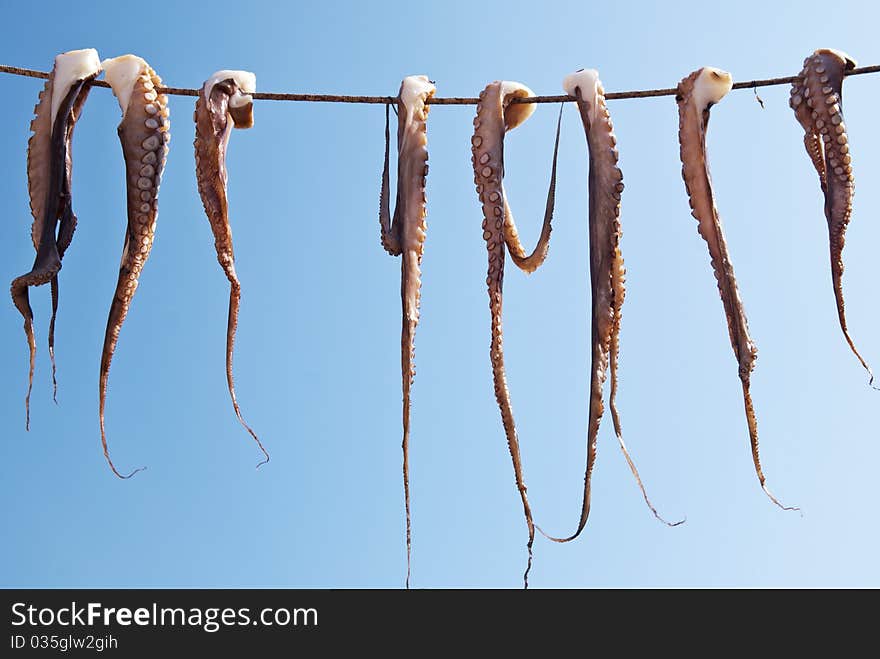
(607, 272)
(143, 133)
(816, 98)
(224, 103)
(496, 114)
(404, 235)
(49, 168)
(696, 94)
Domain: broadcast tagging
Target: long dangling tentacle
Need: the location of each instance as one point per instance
(606, 274)
(144, 135)
(496, 114)
(404, 234)
(49, 166)
(696, 94)
(817, 99)
(225, 102)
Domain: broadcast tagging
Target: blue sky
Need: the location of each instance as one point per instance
(317, 358)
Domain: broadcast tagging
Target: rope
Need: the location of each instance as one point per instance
(450, 100)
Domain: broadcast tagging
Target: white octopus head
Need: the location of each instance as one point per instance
(710, 87)
(122, 73)
(241, 101)
(516, 113)
(415, 89)
(585, 81)
(69, 67)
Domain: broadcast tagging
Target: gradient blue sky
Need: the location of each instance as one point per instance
(318, 344)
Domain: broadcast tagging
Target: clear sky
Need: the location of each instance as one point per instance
(317, 358)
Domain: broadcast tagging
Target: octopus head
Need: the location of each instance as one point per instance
(848, 62)
(584, 84)
(515, 113)
(122, 73)
(710, 86)
(415, 89)
(239, 85)
(69, 67)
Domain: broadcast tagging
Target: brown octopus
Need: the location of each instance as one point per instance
(143, 133)
(496, 114)
(817, 99)
(404, 235)
(607, 272)
(224, 103)
(49, 168)
(696, 94)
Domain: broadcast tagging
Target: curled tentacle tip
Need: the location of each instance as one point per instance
(758, 98)
(674, 524)
(128, 475)
(254, 435)
(663, 519)
(777, 501)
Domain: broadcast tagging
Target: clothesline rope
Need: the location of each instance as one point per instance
(449, 100)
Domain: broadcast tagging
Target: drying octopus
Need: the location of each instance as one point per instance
(404, 235)
(143, 133)
(49, 169)
(496, 114)
(224, 103)
(607, 272)
(696, 94)
(816, 98)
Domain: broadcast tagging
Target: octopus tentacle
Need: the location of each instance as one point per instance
(607, 272)
(388, 228)
(224, 103)
(51, 339)
(817, 99)
(143, 134)
(496, 114)
(696, 94)
(517, 253)
(404, 235)
(49, 166)
(66, 229)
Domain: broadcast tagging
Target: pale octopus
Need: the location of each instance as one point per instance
(404, 235)
(607, 272)
(225, 102)
(144, 135)
(496, 114)
(696, 94)
(49, 169)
